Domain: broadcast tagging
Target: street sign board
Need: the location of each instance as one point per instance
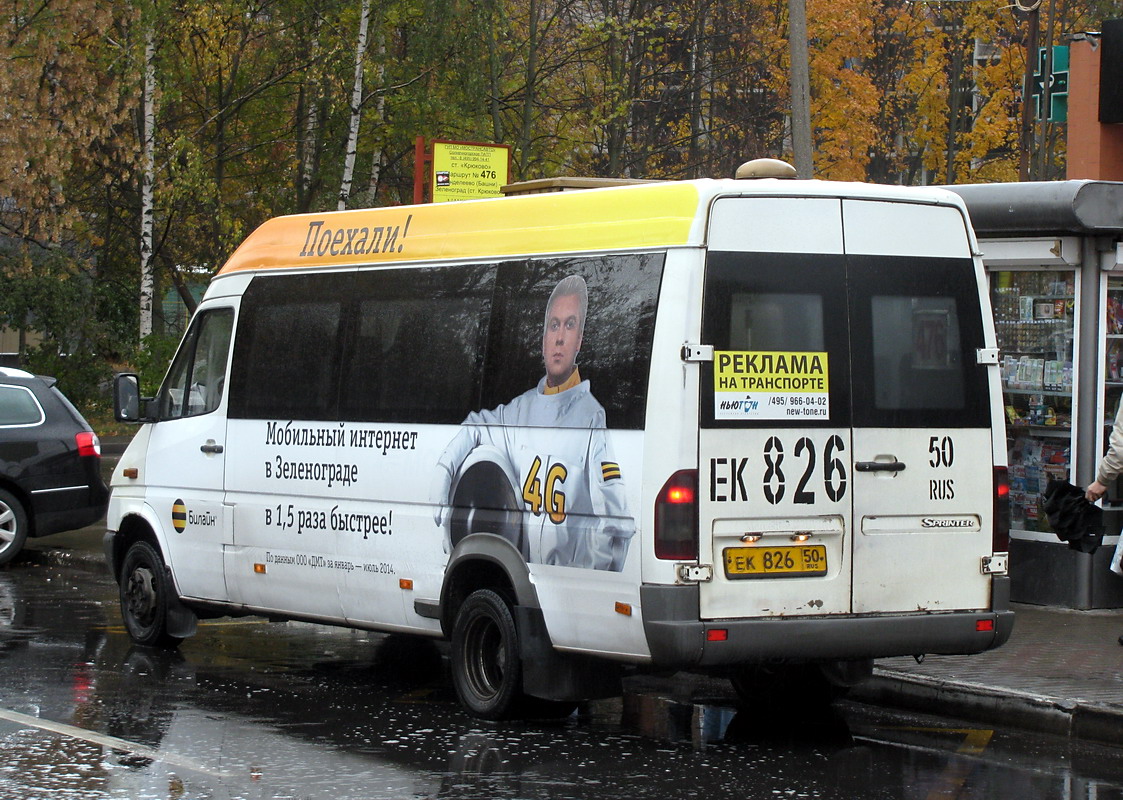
(468, 170)
(1051, 85)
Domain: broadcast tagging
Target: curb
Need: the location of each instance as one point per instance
(1092, 722)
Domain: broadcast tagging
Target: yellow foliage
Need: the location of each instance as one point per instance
(59, 106)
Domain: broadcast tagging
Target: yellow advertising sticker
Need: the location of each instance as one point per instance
(179, 516)
(770, 384)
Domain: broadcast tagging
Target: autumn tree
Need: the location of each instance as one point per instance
(60, 156)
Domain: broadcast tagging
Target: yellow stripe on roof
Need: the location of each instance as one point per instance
(652, 215)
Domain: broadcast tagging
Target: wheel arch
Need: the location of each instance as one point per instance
(485, 561)
(134, 526)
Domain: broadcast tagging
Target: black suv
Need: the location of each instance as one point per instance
(50, 463)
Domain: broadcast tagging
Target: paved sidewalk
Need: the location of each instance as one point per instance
(1061, 672)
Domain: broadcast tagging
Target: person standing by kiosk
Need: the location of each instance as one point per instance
(1110, 468)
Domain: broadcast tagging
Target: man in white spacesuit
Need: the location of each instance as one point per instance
(554, 442)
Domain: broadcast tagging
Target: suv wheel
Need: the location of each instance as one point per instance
(13, 526)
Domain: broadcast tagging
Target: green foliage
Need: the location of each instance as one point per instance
(152, 361)
(83, 376)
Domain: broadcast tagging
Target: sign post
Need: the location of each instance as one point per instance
(460, 170)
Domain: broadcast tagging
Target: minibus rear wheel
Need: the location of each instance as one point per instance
(144, 590)
(486, 668)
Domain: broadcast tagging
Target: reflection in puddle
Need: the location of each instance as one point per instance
(670, 720)
(7, 602)
(712, 721)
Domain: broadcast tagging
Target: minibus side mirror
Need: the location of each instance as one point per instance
(128, 405)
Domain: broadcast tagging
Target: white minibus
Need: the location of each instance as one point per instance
(745, 427)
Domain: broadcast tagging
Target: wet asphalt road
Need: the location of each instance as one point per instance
(251, 709)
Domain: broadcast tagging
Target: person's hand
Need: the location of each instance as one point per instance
(1095, 491)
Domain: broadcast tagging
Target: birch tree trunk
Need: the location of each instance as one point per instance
(380, 117)
(308, 145)
(356, 108)
(147, 179)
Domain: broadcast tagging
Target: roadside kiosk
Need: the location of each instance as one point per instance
(1054, 260)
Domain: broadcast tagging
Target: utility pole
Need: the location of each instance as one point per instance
(800, 88)
(1027, 137)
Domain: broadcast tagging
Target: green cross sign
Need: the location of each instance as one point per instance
(1051, 93)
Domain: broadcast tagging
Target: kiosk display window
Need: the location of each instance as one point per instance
(1113, 361)
(1034, 321)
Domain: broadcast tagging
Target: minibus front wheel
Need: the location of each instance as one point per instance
(145, 596)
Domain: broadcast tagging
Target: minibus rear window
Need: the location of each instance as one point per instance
(894, 338)
(775, 313)
(916, 324)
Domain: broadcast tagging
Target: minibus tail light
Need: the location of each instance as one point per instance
(676, 517)
(1000, 538)
(88, 444)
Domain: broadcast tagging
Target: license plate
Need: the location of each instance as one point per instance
(805, 560)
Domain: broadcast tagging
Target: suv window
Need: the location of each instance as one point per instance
(18, 406)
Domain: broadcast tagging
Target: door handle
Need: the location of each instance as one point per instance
(879, 466)
(210, 447)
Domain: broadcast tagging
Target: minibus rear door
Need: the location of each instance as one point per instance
(922, 447)
(775, 473)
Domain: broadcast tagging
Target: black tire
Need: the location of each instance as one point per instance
(144, 597)
(845, 675)
(13, 526)
(486, 668)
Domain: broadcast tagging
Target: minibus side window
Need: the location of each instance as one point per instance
(197, 378)
(286, 359)
(615, 350)
(416, 347)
